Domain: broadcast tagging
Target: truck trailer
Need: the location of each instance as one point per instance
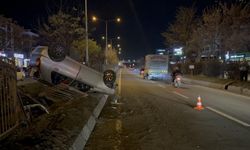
(156, 67)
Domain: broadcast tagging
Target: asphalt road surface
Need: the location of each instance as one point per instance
(153, 115)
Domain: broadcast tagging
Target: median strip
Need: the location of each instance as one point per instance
(229, 117)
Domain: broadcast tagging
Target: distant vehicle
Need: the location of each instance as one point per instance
(156, 67)
(177, 80)
(141, 71)
(20, 74)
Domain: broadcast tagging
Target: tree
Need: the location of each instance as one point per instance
(112, 57)
(62, 29)
(77, 52)
(4, 22)
(226, 28)
(223, 27)
(180, 31)
(196, 44)
(211, 29)
(68, 31)
(10, 34)
(237, 24)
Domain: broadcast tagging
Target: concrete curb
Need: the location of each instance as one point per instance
(85, 133)
(246, 92)
(239, 90)
(230, 88)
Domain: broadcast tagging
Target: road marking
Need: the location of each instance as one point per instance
(161, 86)
(152, 81)
(229, 117)
(180, 95)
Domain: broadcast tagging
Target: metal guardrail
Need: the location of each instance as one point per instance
(9, 108)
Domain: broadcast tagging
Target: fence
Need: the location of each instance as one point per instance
(9, 108)
(212, 69)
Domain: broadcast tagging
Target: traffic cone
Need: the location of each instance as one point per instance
(199, 104)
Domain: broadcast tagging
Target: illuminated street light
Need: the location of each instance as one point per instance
(111, 40)
(118, 19)
(118, 45)
(109, 45)
(94, 18)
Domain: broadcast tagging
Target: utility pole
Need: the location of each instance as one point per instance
(106, 42)
(106, 35)
(86, 34)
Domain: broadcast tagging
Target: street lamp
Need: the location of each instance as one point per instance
(86, 34)
(118, 19)
(94, 18)
(111, 40)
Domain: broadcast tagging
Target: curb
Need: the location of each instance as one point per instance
(85, 133)
(230, 88)
(239, 90)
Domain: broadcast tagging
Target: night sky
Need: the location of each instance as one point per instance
(143, 21)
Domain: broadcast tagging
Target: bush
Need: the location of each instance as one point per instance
(185, 68)
(233, 70)
(212, 68)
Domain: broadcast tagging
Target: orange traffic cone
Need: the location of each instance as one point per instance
(199, 104)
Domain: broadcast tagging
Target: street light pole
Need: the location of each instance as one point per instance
(86, 34)
(106, 35)
(106, 42)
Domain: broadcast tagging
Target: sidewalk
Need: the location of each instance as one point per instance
(228, 85)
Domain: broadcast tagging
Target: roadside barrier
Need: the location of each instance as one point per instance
(9, 106)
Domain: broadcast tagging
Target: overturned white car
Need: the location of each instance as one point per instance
(52, 65)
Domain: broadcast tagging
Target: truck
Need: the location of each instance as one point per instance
(156, 67)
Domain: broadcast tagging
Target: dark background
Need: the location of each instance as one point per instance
(142, 23)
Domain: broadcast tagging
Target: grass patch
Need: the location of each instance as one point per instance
(209, 79)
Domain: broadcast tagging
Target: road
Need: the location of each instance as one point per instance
(153, 115)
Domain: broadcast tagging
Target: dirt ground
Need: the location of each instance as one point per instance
(56, 130)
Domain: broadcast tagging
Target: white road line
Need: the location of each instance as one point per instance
(161, 86)
(152, 81)
(229, 117)
(180, 95)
